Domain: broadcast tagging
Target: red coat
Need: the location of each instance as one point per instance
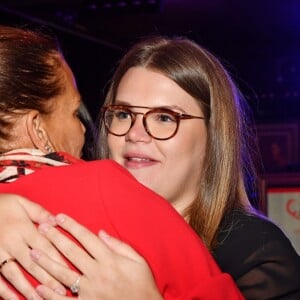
(103, 195)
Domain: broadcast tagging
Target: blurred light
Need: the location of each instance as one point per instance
(121, 6)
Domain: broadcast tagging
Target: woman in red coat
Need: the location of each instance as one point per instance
(102, 195)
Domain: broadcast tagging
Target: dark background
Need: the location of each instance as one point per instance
(257, 40)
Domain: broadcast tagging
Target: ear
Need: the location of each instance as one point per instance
(37, 131)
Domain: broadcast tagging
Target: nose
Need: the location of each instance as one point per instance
(137, 132)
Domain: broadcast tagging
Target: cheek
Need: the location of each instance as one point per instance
(191, 149)
(114, 145)
(72, 140)
(190, 144)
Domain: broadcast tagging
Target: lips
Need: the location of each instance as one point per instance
(138, 160)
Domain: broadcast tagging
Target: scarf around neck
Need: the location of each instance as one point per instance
(20, 162)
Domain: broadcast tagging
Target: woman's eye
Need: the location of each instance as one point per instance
(165, 118)
(121, 114)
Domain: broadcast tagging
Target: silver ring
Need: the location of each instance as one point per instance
(6, 261)
(75, 286)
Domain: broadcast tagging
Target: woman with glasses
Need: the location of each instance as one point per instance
(41, 140)
(174, 119)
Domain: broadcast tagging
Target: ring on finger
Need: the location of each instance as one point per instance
(5, 261)
(75, 286)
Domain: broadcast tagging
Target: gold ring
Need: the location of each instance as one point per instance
(6, 261)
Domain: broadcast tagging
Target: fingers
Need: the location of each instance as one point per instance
(17, 235)
(6, 293)
(85, 237)
(75, 254)
(48, 294)
(38, 240)
(88, 240)
(110, 270)
(16, 228)
(36, 212)
(13, 274)
(62, 273)
(120, 247)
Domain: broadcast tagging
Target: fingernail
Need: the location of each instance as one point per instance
(104, 235)
(52, 220)
(40, 290)
(60, 291)
(35, 254)
(44, 228)
(60, 218)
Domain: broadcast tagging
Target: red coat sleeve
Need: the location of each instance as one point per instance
(102, 195)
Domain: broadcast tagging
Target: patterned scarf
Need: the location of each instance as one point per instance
(21, 162)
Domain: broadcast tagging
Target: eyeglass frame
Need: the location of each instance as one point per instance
(178, 117)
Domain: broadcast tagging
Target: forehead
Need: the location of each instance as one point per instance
(69, 99)
(146, 87)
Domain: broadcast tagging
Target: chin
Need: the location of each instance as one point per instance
(142, 178)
